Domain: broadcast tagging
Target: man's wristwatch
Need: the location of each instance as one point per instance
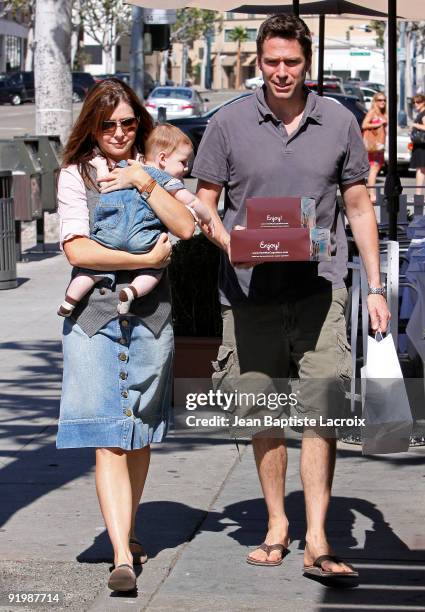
(147, 189)
(377, 290)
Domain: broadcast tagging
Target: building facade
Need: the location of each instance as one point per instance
(13, 42)
(351, 50)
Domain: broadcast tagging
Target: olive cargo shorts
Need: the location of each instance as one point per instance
(304, 339)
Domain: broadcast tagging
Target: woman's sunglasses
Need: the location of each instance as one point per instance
(381, 99)
(110, 126)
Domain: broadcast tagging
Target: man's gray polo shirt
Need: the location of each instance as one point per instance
(246, 149)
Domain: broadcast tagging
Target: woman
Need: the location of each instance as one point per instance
(117, 369)
(418, 154)
(376, 120)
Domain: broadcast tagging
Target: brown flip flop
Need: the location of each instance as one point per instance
(317, 570)
(122, 578)
(139, 556)
(268, 548)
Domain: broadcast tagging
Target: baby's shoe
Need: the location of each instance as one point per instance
(67, 307)
(126, 297)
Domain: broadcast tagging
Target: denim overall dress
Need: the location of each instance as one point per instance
(123, 220)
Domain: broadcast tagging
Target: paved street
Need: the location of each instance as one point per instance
(20, 120)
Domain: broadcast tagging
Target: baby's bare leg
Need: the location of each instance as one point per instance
(77, 289)
(140, 286)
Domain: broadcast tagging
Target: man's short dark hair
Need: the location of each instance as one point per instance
(285, 26)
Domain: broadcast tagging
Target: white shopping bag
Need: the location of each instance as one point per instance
(386, 410)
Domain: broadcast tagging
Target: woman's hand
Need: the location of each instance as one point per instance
(161, 252)
(123, 178)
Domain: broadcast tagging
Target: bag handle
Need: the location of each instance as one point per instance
(381, 334)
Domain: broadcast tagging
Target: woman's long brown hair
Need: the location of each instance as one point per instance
(98, 106)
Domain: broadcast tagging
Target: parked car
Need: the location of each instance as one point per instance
(373, 85)
(178, 101)
(81, 83)
(17, 87)
(194, 127)
(352, 89)
(404, 150)
(254, 82)
(332, 77)
(332, 86)
(352, 103)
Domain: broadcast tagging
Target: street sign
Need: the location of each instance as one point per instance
(359, 52)
(159, 16)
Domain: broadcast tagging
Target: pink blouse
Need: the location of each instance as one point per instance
(72, 204)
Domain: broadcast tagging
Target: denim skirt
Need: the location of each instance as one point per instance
(116, 389)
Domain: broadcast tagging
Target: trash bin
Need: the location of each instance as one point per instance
(47, 150)
(8, 278)
(20, 156)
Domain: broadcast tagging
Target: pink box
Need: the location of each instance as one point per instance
(259, 246)
(278, 213)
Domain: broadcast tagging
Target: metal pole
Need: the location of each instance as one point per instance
(402, 117)
(296, 7)
(208, 78)
(18, 240)
(392, 187)
(40, 231)
(137, 64)
(321, 55)
(414, 66)
(184, 63)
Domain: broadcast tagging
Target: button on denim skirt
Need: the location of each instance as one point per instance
(116, 388)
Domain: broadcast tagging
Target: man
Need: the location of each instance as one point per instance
(285, 141)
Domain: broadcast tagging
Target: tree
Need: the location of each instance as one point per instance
(52, 67)
(239, 35)
(191, 25)
(77, 35)
(379, 28)
(106, 21)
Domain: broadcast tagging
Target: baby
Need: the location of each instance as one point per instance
(124, 220)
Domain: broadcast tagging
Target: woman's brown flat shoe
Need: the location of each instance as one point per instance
(138, 552)
(122, 578)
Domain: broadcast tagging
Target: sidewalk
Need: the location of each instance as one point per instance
(202, 510)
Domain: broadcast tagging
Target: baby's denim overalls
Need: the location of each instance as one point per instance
(123, 220)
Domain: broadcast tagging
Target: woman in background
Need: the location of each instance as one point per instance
(418, 134)
(376, 120)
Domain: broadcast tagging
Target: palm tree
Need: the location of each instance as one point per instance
(239, 35)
